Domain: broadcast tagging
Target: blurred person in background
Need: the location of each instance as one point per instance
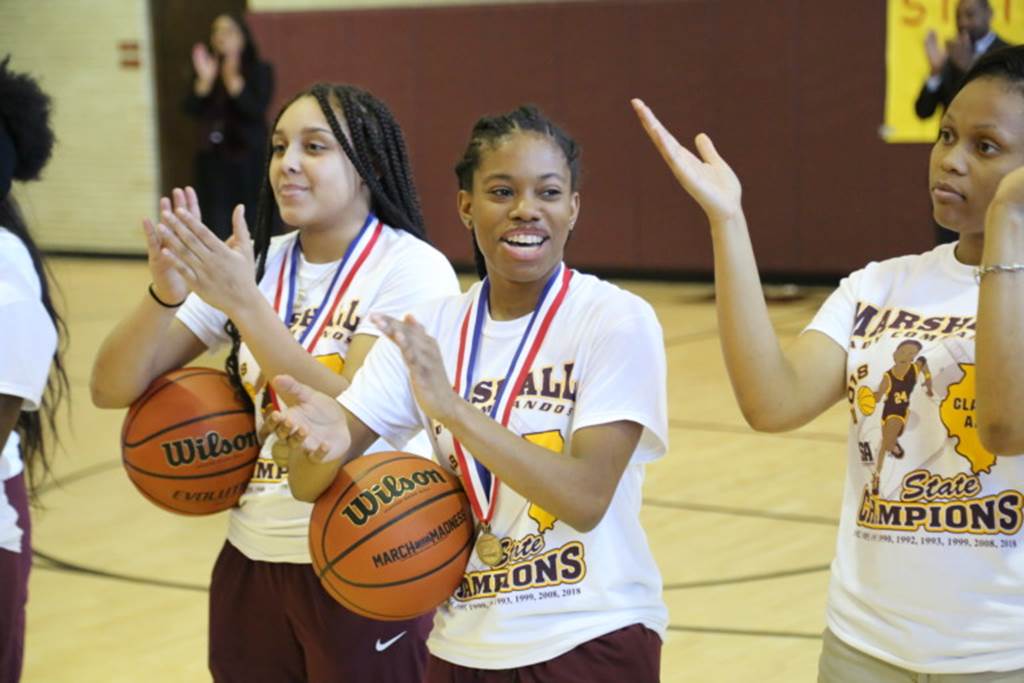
(231, 91)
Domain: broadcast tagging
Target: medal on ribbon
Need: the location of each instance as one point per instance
(284, 296)
(480, 483)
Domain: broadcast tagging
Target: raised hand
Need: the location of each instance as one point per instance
(961, 51)
(936, 55)
(222, 273)
(204, 63)
(708, 179)
(168, 283)
(312, 426)
(430, 384)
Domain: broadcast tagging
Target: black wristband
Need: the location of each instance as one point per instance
(160, 301)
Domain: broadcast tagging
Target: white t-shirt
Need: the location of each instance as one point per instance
(27, 345)
(928, 574)
(401, 271)
(603, 360)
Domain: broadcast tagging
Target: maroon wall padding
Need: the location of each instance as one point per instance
(791, 91)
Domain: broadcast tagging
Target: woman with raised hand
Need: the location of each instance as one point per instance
(230, 92)
(929, 570)
(299, 303)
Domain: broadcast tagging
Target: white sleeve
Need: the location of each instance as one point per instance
(26, 349)
(381, 395)
(625, 380)
(836, 316)
(423, 275)
(205, 321)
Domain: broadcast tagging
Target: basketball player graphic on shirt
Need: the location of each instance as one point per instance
(896, 386)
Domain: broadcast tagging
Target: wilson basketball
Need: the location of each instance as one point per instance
(188, 443)
(391, 537)
(865, 400)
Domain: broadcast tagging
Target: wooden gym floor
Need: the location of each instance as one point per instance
(742, 524)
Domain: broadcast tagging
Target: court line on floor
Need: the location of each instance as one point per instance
(57, 564)
(783, 323)
(725, 428)
(742, 512)
(78, 475)
(749, 578)
(744, 632)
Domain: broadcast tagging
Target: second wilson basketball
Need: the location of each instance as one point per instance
(391, 537)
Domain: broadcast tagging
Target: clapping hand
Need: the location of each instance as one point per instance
(222, 273)
(204, 63)
(961, 50)
(311, 424)
(168, 283)
(936, 55)
(430, 384)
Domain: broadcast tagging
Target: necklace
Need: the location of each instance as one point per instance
(302, 288)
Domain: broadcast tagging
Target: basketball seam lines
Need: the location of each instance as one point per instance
(133, 444)
(342, 555)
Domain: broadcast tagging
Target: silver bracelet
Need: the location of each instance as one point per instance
(998, 268)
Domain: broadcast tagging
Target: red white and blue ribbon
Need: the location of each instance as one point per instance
(479, 482)
(284, 296)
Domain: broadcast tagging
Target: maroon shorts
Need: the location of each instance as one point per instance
(272, 622)
(630, 654)
(14, 568)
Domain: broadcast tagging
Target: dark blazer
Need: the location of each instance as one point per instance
(950, 77)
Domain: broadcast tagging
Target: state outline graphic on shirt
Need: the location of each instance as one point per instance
(957, 412)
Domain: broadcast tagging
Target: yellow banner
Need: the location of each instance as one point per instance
(908, 23)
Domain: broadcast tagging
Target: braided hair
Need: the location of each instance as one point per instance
(490, 131)
(26, 142)
(378, 152)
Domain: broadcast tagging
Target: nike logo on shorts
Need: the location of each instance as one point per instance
(388, 643)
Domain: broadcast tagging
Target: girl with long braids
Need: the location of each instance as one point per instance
(32, 377)
(544, 390)
(338, 171)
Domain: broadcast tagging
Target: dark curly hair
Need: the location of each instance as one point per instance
(25, 127)
(25, 117)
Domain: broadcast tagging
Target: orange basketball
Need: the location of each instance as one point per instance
(391, 537)
(188, 443)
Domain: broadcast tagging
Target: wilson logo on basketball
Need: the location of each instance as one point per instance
(182, 452)
(369, 502)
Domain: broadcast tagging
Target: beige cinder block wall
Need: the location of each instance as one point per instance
(102, 178)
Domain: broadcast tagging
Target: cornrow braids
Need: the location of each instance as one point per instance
(377, 151)
(489, 131)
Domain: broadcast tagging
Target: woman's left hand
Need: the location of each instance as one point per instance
(222, 273)
(430, 384)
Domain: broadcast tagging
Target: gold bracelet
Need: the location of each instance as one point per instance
(981, 271)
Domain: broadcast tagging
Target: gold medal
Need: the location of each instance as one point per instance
(488, 548)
